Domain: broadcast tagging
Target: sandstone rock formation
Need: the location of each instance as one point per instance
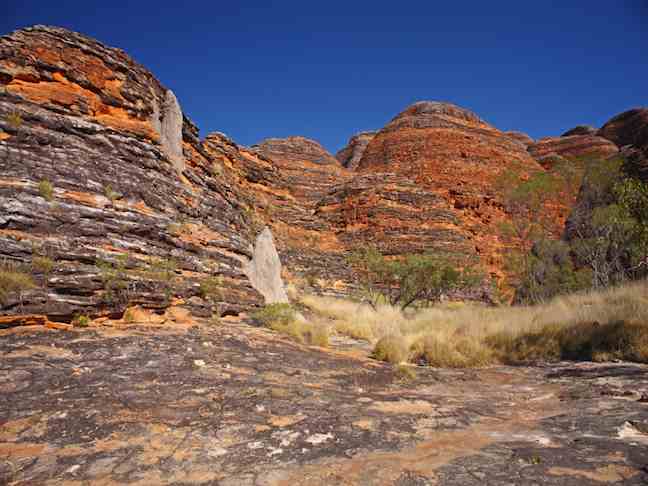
(103, 175)
(308, 168)
(350, 155)
(523, 138)
(264, 269)
(629, 130)
(572, 147)
(456, 157)
(580, 130)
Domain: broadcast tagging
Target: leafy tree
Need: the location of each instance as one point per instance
(407, 280)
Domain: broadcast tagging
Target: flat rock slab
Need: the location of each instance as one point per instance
(237, 405)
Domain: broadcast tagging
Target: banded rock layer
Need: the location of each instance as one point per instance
(103, 175)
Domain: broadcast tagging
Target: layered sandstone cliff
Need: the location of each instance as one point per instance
(103, 176)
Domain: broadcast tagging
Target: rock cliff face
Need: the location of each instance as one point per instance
(309, 169)
(629, 130)
(350, 155)
(580, 130)
(455, 157)
(571, 147)
(103, 175)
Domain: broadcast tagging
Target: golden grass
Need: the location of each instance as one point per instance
(603, 325)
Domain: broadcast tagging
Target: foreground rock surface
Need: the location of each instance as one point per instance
(237, 405)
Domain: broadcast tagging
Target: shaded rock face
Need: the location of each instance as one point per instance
(457, 157)
(571, 148)
(308, 168)
(350, 155)
(580, 130)
(264, 269)
(521, 137)
(138, 212)
(628, 128)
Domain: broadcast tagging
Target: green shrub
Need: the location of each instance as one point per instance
(407, 280)
(81, 320)
(14, 279)
(42, 264)
(211, 288)
(277, 314)
(46, 190)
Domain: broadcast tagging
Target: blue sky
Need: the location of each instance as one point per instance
(328, 69)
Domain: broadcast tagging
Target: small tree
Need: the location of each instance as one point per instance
(14, 280)
(407, 280)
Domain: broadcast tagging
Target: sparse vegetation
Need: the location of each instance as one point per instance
(211, 288)
(405, 372)
(593, 325)
(284, 319)
(46, 190)
(281, 314)
(412, 279)
(81, 320)
(115, 279)
(42, 264)
(110, 194)
(14, 279)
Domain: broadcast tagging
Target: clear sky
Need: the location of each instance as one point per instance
(328, 69)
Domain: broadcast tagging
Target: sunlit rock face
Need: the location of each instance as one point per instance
(132, 186)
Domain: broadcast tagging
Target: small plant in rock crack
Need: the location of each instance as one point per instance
(81, 320)
(46, 190)
(115, 279)
(162, 273)
(111, 194)
(14, 279)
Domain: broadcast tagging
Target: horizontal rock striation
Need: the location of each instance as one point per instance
(457, 157)
(573, 147)
(103, 175)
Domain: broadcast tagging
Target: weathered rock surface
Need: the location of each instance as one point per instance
(572, 147)
(627, 128)
(238, 405)
(137, 212)
(308, 168)
(580, 130)
(456, 157)
(264, 269)
(521, 137)
(350, 155)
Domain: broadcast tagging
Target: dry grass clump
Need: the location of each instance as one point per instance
(285, 320)
(393, 349)
(598, 326)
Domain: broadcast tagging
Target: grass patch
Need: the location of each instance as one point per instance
(81, 320)
(46, 190)
(283, 318)
(14, 279)
(592, 326)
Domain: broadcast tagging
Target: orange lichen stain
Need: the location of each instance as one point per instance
(4, 136)
(119, 118)
(21, 450)
(63, 92)
(612, 473)
(85, 198)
